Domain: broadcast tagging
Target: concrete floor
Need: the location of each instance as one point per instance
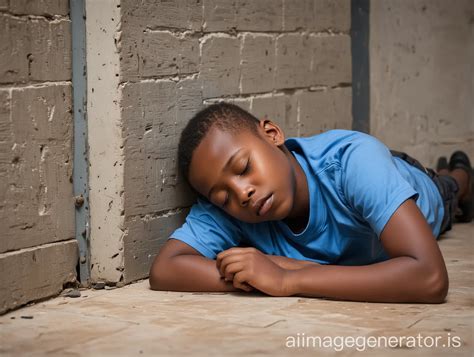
(137, 321)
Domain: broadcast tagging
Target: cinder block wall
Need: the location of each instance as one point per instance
(287, 60)
(38, 252)
(422, 76)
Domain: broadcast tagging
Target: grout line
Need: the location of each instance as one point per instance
(36, 247)
(50, 18)
(39, 84)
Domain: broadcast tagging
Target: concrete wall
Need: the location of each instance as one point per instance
(422, 76)
(151, 65)
(287, 60)
(105, 139)
(38, 252)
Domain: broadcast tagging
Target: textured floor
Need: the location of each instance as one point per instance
(136, 321)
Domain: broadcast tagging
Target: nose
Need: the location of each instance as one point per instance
(244, 192)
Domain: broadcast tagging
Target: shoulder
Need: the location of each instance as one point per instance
(327, 138)
(333, 146)
(365, 148)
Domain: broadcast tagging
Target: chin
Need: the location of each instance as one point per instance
(283, 209)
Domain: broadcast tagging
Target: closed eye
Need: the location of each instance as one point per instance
(246, 168)
(244, 171)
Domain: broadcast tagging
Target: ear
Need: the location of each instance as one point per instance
(272, 132)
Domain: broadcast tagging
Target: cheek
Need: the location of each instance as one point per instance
(274, 166)
(281, 172)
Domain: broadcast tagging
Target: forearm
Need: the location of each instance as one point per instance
(401, 279)
(290, 263)
(189, 273)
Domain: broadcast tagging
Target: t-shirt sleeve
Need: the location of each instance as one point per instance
(371, 182)
(208, 229)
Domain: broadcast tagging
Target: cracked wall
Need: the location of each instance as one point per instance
(422, 76)
(151, 65)
(38, 251)
(287, 60)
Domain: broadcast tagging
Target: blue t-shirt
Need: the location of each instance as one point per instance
(355, 185)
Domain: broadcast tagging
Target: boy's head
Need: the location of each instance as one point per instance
(238, 163)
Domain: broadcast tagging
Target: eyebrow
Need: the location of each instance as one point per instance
(232, 157)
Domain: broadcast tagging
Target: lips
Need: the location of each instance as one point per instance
(264, 204)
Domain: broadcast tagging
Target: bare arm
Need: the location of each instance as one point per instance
(290, 263)
(179, 267)
(415, 273)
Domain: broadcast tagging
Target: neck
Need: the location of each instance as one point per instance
(299, 214)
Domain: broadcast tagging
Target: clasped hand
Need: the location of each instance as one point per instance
(248, 268)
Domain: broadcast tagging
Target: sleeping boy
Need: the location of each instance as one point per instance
(336, 215)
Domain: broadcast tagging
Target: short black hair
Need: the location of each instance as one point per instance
(225, 116)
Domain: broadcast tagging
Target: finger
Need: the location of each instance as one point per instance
(222, 255)
(231, 269)
(229, 260)
(240, 280)
(244, 286)
(248, 287)
(226, 252)
(231, 251)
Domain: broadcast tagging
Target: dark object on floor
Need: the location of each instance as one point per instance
(71, 292)
(442, 164)
(27, 317)
(460, 160)
(99, 285)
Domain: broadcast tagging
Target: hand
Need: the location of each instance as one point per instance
(250, 267)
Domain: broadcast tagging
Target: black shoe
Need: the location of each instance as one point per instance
(442, 164)
(459, 160)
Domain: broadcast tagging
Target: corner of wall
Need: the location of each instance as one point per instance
(106, 158)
